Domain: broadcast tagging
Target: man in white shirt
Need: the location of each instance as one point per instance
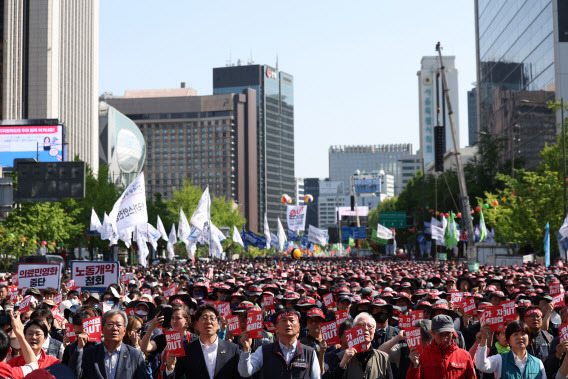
(209, 356)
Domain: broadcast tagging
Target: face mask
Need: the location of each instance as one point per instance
(141, 313)
(381, 317)
(109, 302)
(74, 302)
(403, 309)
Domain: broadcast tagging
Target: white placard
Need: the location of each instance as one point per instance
(94, 274)
(39, 275)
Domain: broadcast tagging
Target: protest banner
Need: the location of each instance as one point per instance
(171, 290)
(416, 315)
(92, 326)
(268, 301)
(563, 332)
(340, 316)
(330, 334)
(296, 217)
(405, 322)
(223, 307)
(13, 293)
(414, 339)
(269, 326)
(129, 311)
(56, 315)
(89, 274)
(254, 324)
(15, 279)
(558, 300)
(509, 311)
(57, 299)
(555, 289)
(469, 306)
(174, 344)
(493, 316)
(106, 307)
(328, 301)
(39, 275)
(25, 304)
(148, 291)
(356, 339)
(456, 298)
(70, 332)
(71, 285)
(233, 325)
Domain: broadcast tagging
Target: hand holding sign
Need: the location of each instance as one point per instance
(174, 344)
(355, 338)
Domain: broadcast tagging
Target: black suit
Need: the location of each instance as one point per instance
(193, 364)
(90, 363)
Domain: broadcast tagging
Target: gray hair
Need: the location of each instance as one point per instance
(364, 315)
(114, 312)
(425, 328)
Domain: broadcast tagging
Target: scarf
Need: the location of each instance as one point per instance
(502, 349)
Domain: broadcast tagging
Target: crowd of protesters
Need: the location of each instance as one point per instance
(374, 295)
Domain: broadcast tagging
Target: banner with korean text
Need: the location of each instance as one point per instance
(40, 275)
(296, 217)
(94, 274)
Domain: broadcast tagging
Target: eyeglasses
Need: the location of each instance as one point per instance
(112, 325)
(205, 319)
(366, 326)
(36, 334)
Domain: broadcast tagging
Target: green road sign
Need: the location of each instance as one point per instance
(393, 219)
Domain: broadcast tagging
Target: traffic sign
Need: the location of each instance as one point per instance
(393, 219)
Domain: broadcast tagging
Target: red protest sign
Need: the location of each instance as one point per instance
(330, 334)
(70, 332)
(106, 307)
(254, 324)
(56, 314)
(405, 322)
(71, 285)
(25, 304)
(556, 288)
(414, 339)
(340, 316)
(509, 313)
(57, 299)
(233, 325)
(416, 315)
(223, 307)
(558, 300)
(129, 311)
(356, 339)
(469, 306)
(174, 344)
(270, 326)
(13, 293)
(268, 301)
(456, 298)
(563, 332)
(493, 316)
(171, 290)
(93, 328)
(147, 291)
(328, 301)
(124, 279)
(15, 279)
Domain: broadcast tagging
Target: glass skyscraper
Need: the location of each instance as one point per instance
(275, 130)
(520, 49)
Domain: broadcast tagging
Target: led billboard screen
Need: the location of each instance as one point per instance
(41, 142)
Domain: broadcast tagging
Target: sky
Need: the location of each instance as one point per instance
(354, 63)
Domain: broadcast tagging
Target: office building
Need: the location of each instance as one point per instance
(311, 186)
(344, 161)
(331, 196)
(210, 140)
(522, 62)
(275, 129)
(50, 68)
(121, 145)
(472, 130)
(431, 99)
(371, 188)
(409, 166)
(299, 191)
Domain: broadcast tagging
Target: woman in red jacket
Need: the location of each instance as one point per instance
(35, 333)
(442, 358)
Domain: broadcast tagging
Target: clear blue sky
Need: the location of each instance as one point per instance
(354, 63)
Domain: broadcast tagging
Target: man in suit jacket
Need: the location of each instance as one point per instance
(111, 359)
(208, 356)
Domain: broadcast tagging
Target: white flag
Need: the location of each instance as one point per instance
(281, 235)
(564, 228)
(184, 230)
(106, 228)
(237, 237)
(153, 235)
(215, 247)
(130, 209)
(202, 213)
(125, 235)
(437, 233)
(384, 233)
(171, 241)
(161, 229)
(267, 232)
(191, 252)
(95, 222)
(435, 222)
(317, 236)
(143, 251)
(194, 236)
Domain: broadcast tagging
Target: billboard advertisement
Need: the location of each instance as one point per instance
(367, 185)
(41, 142)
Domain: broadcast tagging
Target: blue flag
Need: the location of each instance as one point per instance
(547, 245)
(292, 236)
(304, 243)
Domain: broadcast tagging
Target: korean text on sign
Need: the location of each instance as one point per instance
(174, 344)
(355, 338)
(39, 276)
(95, 274)
(329, 331)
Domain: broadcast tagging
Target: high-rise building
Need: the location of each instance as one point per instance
(522, 62)
(210, 140)
(311, 186)
(275, 130)
(344, 161)
(299, 191)
(370, 195)
(431, 98)
(473, 132)
(331, 196)
(50, 68)
(409, 166)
